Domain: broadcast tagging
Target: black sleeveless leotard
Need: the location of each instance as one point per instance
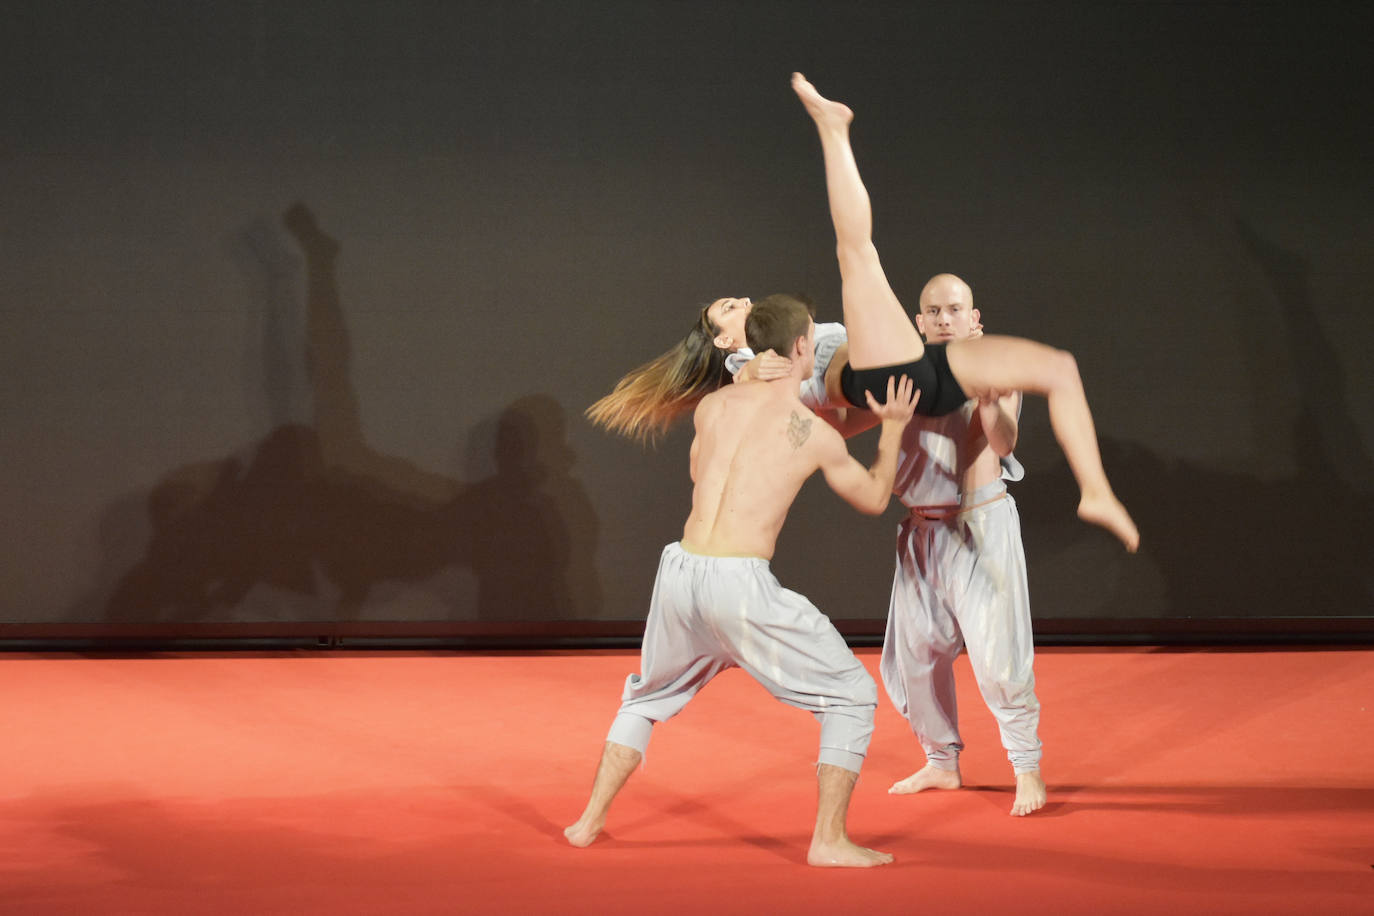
(940, 393)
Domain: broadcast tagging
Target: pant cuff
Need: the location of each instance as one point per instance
(845, 760)
(943, 759)
(631, 730)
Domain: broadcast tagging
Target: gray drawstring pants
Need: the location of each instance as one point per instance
(712, 613)
(961, 583)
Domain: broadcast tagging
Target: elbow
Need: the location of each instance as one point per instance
(875, 506)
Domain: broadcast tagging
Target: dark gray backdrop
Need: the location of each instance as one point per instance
(302, 302)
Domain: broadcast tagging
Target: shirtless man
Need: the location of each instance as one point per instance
(716, 605)
(961, 573)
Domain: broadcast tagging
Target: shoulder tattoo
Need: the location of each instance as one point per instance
(798, 430)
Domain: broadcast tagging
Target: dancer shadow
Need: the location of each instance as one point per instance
(527, 527)
(1234, 544)
(314, 523)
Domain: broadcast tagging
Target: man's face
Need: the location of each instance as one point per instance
(947, 311)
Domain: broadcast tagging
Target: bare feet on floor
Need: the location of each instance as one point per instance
(1030, 794)
(844, 854)
(1108, 512)
(927, 777)
(583, 832)
(823, 111)
(617, 763)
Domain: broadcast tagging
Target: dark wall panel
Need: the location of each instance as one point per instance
(302, 302)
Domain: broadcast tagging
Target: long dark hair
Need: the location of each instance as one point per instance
(646, 401)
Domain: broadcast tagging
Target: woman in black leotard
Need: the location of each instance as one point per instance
(883, 341)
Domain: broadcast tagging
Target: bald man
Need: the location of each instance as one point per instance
(960, 581)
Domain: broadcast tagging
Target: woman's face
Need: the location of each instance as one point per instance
(728, 314)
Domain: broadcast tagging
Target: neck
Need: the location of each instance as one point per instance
(791, 383)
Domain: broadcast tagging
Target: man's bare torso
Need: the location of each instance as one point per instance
(943, 457)
(755, 446)
(978, 463)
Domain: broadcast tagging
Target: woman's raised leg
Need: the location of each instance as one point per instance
(880, 332)
(999, 363)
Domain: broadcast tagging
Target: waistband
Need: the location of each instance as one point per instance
(684, 554)
(985, 495)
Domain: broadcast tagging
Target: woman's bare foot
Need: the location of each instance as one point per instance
(1030, 794)
(927, 777)
(844, 854)
(823, 111)
(1108, 512)
(584, 831)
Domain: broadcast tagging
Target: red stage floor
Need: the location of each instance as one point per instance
(1180, 782)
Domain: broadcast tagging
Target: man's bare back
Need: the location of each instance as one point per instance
(756, 444)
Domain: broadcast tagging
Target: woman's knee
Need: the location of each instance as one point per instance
(1063, 369)
(857, 255)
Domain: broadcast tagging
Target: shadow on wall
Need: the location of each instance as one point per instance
(528, 528)
(1231, 545)
(313, 523)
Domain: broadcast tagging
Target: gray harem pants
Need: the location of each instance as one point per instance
(961, 583)
(712, 613)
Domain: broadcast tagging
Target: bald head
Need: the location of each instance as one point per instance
(946, 288)
(947, 311)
